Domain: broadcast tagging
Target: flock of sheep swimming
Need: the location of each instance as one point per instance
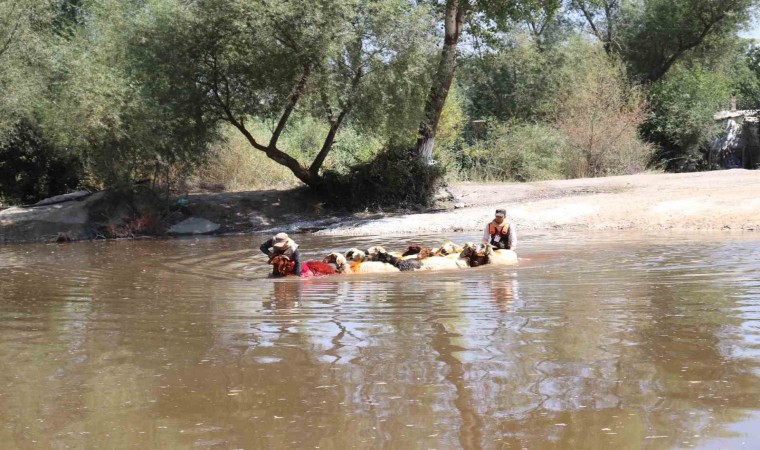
(377, 260)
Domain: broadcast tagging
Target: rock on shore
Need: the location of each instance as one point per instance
(43, 223)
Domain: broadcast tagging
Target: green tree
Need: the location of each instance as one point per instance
(24, 59)
(228, 61)
(544, 20)
(514, 80)
(100, 109)
(653, 35)
(32, 168)
(746, 79)
(683, 105)
(32, 165)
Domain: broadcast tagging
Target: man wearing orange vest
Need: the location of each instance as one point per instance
(500, 233)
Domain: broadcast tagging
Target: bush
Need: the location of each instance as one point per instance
(683, 104)
(31, 168)
(589, 114)
(392, 179)
(600, 114)
(234, 165)
(519, 152)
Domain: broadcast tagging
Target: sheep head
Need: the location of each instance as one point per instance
(387, 258)
(374, 251)
(412, 250)
(425, 253)
(355, 254)
(468, 250)
(448, 248)
(337, 259)
(330, 259)
(476, 255)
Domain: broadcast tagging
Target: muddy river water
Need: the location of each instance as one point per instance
(594, 341)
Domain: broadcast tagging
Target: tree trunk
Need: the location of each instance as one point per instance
(455, 11)
(327, 146)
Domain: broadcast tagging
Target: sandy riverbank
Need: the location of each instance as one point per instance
(720, 200)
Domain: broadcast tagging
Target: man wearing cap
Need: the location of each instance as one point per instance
(500, 233)
(281, 244)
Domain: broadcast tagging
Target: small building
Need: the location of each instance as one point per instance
(738, 147)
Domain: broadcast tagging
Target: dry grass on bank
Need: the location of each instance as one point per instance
(233, 165)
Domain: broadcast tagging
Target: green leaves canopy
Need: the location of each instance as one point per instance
(652, 35)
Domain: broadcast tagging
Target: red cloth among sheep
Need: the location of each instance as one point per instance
(320, 268)
(305, 271)
(284, 267)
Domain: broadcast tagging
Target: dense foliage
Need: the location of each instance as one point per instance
(264, 93)
(31, 168)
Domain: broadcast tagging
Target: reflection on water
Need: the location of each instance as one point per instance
(601, 341)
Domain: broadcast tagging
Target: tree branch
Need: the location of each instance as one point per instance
(608, 16)
(329, 141)
(335, 125)
(298, 91)
(442, 79)
(271, 151)
(590, 20)
(658, 72)
(7, 44)
(328, 108)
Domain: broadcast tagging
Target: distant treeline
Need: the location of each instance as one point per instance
(368, 101)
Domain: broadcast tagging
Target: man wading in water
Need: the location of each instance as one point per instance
(281, 244)
(500, 233)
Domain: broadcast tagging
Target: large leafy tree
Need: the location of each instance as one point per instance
(32, 166)
(685, 100)
(230, 61)
(515, 81)
(543, 19)
(653, 35)
(24, 58)
(97, 107)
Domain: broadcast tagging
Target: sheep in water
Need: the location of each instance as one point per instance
(482, 254)
(447, 249)
(359, 263)
(500, 257)
(423, 261)
(373, 252)
(474, 254)
(404, 265)
(417, 250)
(444, 262)
(354, 254)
